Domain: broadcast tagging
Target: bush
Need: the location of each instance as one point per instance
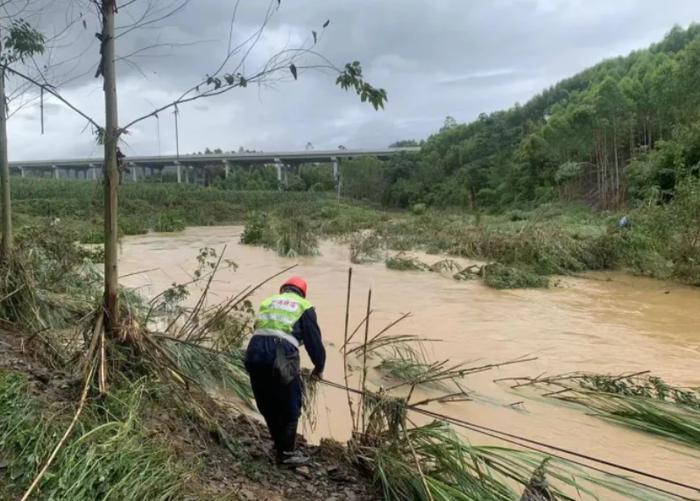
(133, 225)
(500, 276)
(256, 229)
(295, 237)
(403, 263)
(288, 236)
(487, 197)
(90, 235)
(418, 209)
(366, 247)
(168, 223)
(328, 212)
(517, 215)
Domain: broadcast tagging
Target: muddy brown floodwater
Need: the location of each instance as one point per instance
(608, 323)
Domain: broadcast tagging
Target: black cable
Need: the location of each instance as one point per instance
(573, 461)
(511, 438)
(479, 428)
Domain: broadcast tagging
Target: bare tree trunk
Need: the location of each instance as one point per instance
(598, 167)
(604, 153)
(616, 190)
(111, 172)
(5, 173)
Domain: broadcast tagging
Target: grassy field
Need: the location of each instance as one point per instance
(144, 207)
(551, 239)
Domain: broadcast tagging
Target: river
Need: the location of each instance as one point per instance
(606, 323)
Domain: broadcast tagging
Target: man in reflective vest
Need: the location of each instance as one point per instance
(285, 322)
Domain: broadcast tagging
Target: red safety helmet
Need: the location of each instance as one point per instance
(297, 282)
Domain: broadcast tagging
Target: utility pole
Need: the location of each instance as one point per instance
(158, 132)
(177, 134)
(111, 173)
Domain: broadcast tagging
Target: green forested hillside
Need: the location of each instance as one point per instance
(614, 133)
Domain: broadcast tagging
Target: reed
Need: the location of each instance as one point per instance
(108, 458)
(640, 401)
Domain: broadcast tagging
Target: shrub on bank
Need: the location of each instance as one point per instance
(167, 223)
(255, 229)
(404, 263)
(500, 276)
(288, 236)
(366, 247)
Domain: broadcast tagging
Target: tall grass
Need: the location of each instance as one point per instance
(365, 247)
(211, 369)
(289, 235)
(49, 281)
(499, 276)
(111, 457)
(431, 462)
(642, 402)
(552, 239)
(401, 262)
(671, 421)
(151, 206)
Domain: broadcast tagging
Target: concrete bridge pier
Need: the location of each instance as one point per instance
(132, 168)
(93, 172)
(336, 176)
(179, 172)
(21, 171)
(334, 160)
(56, 174)
(227, 168)
(280, 167)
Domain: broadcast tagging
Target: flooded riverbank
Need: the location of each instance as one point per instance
(608, 323)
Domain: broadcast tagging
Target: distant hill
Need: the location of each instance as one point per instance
(608, 135)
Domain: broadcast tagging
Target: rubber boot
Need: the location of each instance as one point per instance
(273, 428)
(292, 458)
(281, 446)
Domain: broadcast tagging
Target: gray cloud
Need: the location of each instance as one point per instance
(438, 58)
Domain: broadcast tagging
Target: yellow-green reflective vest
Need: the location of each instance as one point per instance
(279, 313)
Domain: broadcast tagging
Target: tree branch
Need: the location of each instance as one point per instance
(50, 90)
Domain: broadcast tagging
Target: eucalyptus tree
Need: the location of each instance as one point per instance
(234, 71)
(18, 42)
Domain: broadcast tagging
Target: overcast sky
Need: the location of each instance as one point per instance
(434, 57)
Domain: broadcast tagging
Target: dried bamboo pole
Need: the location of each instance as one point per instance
(364, 360)
(345, 350)
(59, 445)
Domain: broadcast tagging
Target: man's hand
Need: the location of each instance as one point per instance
(316, 375)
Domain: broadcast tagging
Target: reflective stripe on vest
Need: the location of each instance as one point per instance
(278, 334)
(280, 313)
